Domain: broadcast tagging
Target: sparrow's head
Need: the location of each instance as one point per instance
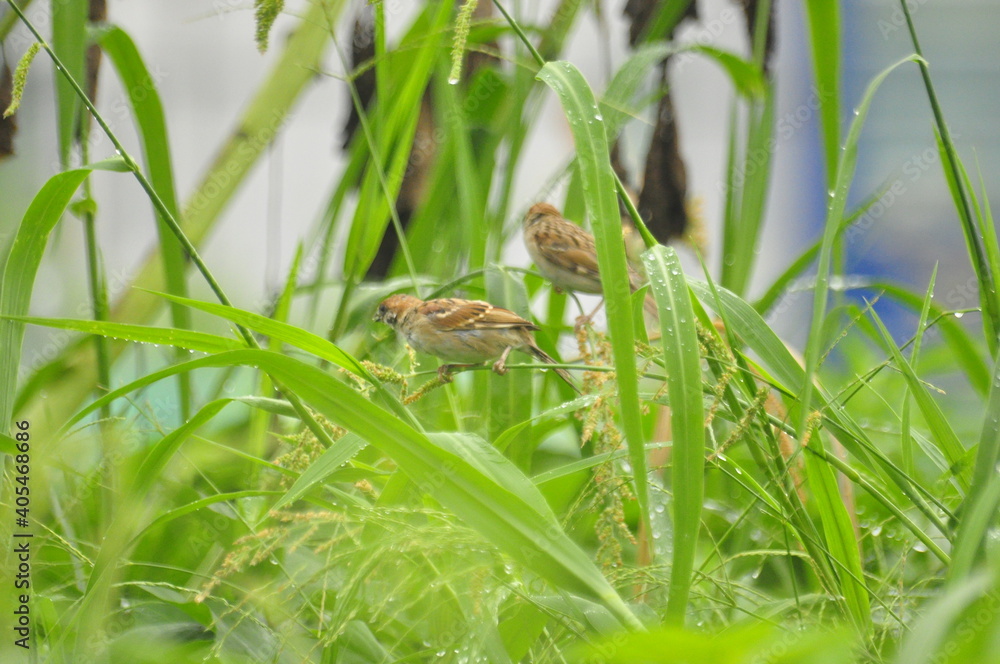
(539, 211)
(393, 308)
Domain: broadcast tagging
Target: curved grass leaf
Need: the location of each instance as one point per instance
(945, 438)
(391, 141)
(196, 505)
(296, 336)
(839, 534)
(824, 41)
(21, 265)
(834, 216)
(988, 452)
(932, 630)
(687, 416)
(617, 105)
(182, 339)
(587, 463)
(257, 126)
(69, 30)
(147, 109)
(594, 162)
(979, 517)
(343, 450)
(511, 519)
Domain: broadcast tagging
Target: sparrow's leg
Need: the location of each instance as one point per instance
(585, 320)
(500, 366)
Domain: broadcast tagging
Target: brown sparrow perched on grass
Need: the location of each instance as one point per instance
(566, 255)
(465, 332)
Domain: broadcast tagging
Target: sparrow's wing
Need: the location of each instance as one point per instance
(452, 314)
(567, 245)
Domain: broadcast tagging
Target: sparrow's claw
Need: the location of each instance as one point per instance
(500, 366)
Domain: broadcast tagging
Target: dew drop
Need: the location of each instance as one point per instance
(453, 80)
(959, 314)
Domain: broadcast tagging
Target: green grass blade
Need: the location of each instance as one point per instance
(979, 506)
(196, 505)
(490, 494)
(343, 450)
(237, 156)
(922, 321)
(151, 123)
(825, 43)
(981, 261)
(663, 19)
(181, 339)
(392, 142)
(687, 416)
(598, 178)
(839, 535)
(953, 168)
(785, 371)
(832, 226)
(754, 332)
(805, 259)
(988, 453)
(747, 77)
(932, 630)
(509, 397)
(19, 270)
(511, 436)
(119, 536)
(979, 518)
(617, 105)
(69, 32)
(746, 201)
(887, 501)
(7, 445)
(307, 341)
(945, 437)
(967, 353)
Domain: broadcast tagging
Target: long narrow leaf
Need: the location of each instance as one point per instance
(834, 215)
(598, 177)
(687, 416)
(20, 267)
(517, 522)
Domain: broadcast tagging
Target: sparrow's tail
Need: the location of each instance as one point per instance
(544, 357)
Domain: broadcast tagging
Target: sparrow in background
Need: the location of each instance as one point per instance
(566, 255)
(465, 332)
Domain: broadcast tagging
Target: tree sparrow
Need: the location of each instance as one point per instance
(566, 255)
(465, 332)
